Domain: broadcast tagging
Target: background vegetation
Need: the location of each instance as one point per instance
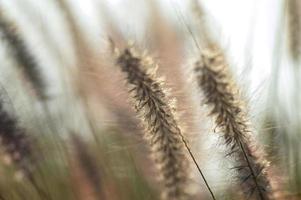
(71, 129)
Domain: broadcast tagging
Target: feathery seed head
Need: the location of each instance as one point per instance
(221, 94)
(22, 55)
(163, 132)
(14, 141)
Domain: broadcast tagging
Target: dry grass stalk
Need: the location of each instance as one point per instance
(294, 29)
(163, 132)
(88, 167)
(22, 55)
(221, 94)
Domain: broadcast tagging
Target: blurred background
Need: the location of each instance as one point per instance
(83, 106)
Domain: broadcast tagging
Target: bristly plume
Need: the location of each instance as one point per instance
(163, 132)
(294, 28)
(220, 93)
(15, 143)
(22, 55)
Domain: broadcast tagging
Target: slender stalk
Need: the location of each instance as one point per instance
(198, 167)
